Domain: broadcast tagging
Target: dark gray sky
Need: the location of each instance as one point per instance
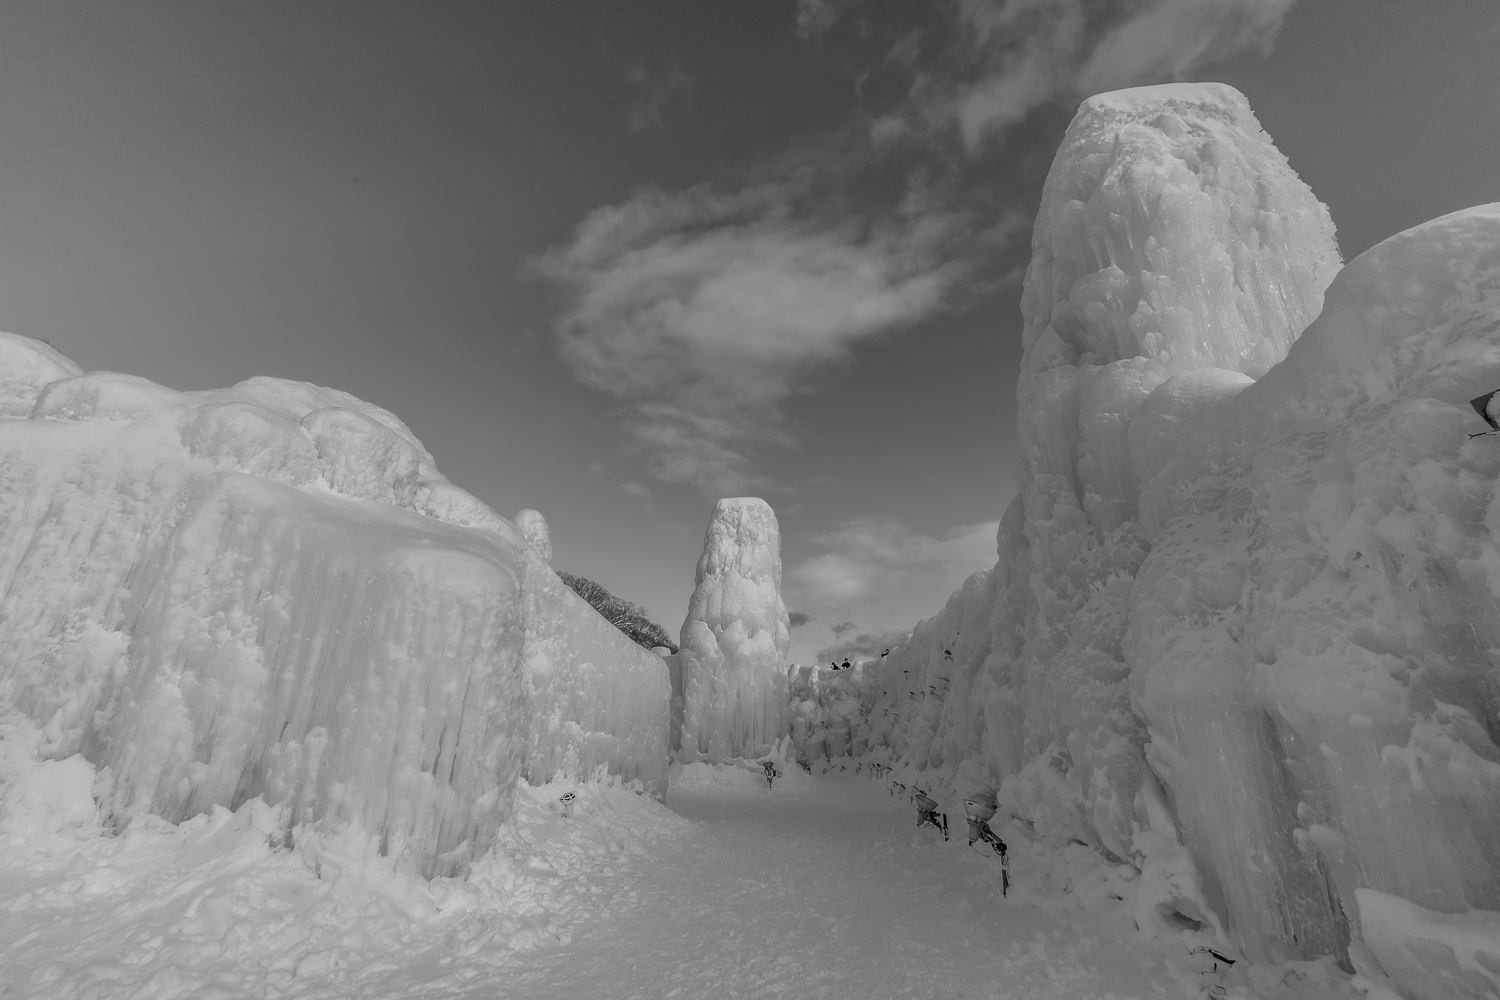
(612, 260)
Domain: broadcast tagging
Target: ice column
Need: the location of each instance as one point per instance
(735, 638)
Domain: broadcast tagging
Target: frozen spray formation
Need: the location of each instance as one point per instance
(735, 638)
(1244, 624)
(269, 590)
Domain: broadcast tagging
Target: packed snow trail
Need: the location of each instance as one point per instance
(831, 892)
(822, 888)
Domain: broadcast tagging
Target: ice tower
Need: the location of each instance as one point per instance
(1243, 628)
(735, 638)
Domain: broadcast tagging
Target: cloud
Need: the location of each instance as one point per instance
(654, 93)
(877, 570)
(1169, 39)
(988, 64)
(873, 559)
(702, 311)
(865, 646)
(798, 619)
(633, 489)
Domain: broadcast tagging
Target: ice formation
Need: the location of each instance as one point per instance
(828, 711)
(732, 664)
(1243, 627)
(598, 699)
(269, 590)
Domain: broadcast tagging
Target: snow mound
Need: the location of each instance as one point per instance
(1432, 954)
(735, 638)
(269, 590)
(218, 906)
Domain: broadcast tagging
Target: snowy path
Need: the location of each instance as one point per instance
(830, 893)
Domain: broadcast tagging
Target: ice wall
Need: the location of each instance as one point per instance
(598, 699)
(828, 711)
(735, 638)
(270, 590)
(1243, 627)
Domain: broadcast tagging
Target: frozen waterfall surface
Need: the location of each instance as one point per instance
(734, 643)
(1242, 629)
(269, 591)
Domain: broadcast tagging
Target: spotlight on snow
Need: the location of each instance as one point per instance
(927, 814)
(567, 804)
(978, 811)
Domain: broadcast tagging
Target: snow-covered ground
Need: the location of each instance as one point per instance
(220, 907)
(821, 887)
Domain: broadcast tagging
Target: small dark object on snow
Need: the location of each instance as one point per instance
(1481, 406)
(772, 773)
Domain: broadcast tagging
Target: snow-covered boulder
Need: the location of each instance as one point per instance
(269, 590)
(734, 642)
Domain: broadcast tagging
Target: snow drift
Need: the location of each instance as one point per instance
(732, 664)
(1244, 625)
(269, 590)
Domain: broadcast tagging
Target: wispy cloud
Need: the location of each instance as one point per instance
(654, 93)
(990, 63)
(878, 560)
(874, 570)
(701, 311)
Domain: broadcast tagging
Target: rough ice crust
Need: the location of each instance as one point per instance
(734, 642)
(269, 590)
(599, 700)
(1243, 627)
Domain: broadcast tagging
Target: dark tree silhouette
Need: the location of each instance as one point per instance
(628, 618)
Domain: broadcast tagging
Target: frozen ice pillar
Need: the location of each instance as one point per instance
(735, 639)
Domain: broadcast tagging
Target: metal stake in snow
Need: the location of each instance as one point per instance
(1481, 406)
(567, 803)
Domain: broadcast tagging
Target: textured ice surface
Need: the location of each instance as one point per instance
(217, 907)
(1244, 623)
(269, 590)
(1430, 954)
(598, 699)
(533, 527)
(828, 711)
(735, 638)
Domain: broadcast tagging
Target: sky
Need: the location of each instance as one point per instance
(614, 260)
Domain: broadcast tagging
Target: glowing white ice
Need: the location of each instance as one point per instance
(735, 638)
(269, 590)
